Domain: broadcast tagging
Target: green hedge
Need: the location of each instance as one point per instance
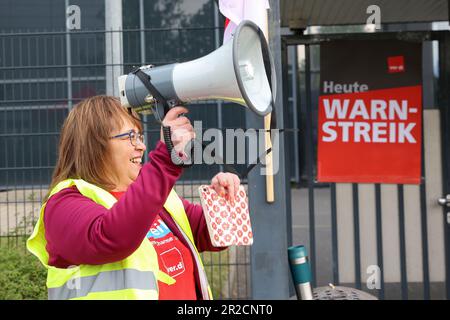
(21, 275)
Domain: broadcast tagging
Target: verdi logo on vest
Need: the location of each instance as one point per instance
(370, 112)
(173, 262)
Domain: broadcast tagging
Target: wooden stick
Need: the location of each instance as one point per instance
(270, 195)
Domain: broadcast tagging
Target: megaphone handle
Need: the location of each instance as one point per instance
(176, 159)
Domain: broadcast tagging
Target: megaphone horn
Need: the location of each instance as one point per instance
(240, 71)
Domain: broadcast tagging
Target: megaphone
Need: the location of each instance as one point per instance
(240, 71)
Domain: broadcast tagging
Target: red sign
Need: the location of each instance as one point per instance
(373, 136)
(370, 112)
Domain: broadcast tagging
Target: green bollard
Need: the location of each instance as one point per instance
(301, 272)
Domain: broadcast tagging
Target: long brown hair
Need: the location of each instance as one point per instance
(83, 151)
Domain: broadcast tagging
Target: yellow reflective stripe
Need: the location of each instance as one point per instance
(104, 282)
(175, 207)
(95, 193)
(87, 189)
(61, 185)
(128, 294)
(36, 242)
(204, 285)
(165, 278)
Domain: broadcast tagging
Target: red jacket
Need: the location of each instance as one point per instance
(79, 231)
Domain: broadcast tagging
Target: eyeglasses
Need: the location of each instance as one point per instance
(134, 137)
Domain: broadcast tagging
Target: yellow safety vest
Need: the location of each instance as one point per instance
(135, 277)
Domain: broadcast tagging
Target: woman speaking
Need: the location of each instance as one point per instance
(112, 228)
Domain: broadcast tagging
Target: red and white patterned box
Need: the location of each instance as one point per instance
(227, 225)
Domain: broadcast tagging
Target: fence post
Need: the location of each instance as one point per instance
(68, 63)
(113, 45)
(269, 262)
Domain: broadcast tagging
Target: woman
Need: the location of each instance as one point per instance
(112, 228)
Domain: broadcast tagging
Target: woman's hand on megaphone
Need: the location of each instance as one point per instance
(181, 129)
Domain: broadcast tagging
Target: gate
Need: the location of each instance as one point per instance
(354, 230)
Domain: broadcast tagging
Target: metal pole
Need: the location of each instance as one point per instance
(310, 163)
(288, 153)
(379, 228)
(295, 116)
(357, 238)
(269, 260)
(401, 222)
(142, 31)
(113, 42)
(217, 45)
(143, 62)
(444, 101)
(68, 62)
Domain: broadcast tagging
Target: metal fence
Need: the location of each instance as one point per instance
(44, 74)
(348, 227)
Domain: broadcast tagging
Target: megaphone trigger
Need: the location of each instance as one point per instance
(150, 100)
